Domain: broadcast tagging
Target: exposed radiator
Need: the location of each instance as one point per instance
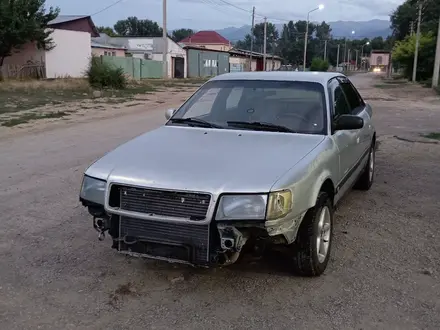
(192, 236)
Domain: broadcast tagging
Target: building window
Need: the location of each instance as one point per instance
(113, 53)
(210, 63)
(379, 60)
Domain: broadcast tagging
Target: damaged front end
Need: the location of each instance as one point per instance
(181, 227)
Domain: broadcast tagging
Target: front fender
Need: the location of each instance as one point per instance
(306, 180)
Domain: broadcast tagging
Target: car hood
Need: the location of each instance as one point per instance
(205, 160)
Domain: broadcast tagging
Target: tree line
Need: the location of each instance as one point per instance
(132, 26)
(404, 24)
(289, 44)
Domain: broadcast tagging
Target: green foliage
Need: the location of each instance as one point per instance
(403, 53)
(107, 30)
(132, 26)
(319, 64)
(271, 40)
(103, 75)
(181, 34)
(23, 21)
(407, 13)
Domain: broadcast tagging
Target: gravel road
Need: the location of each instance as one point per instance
(384, 272)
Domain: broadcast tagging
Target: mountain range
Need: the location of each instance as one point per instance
(340, 29)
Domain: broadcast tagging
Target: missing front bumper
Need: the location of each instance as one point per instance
(185, 242)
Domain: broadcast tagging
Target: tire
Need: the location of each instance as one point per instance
(306, 259)
(366, 179)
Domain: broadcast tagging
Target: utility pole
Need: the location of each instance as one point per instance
(165, 39)
(416, 54)
(252, 37)
(349, 59)
(345, 55)
(357, 51)
(306, 37)
(264, 44)
(325, 50)
(435, 75)
(337, 56)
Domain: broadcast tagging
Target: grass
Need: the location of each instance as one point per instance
(432, 135)
(26, 117)
(16, 96)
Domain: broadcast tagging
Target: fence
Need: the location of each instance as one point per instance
(136, 68)
(19, 71)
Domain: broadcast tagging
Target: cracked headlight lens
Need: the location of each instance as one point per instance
(242, 207)
(93, 190)
(279, 205)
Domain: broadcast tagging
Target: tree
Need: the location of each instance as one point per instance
(271, 39)
(244, 44)
(407, 12)
(107, 30)
(132, 26)
(181, 34)
(23, 21)
(403, 53)
(291, 43)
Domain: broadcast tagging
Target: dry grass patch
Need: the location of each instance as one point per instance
(18, 95)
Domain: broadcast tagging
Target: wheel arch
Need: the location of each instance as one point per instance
(328, 187)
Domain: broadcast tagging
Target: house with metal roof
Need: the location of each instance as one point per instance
(207, 39)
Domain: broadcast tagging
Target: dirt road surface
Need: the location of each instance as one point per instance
(384, 272)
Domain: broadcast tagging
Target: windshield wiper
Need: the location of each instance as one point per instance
(195, 121)
(261, 126)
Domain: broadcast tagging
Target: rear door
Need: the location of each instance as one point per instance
(345, 140)
(358, 108)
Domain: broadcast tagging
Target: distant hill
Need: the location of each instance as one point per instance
(340, 29)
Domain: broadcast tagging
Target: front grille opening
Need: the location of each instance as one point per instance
(192, 206)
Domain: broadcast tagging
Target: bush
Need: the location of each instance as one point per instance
(319, 65)
(103, 75)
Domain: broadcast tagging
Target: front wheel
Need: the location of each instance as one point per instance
(314, 240)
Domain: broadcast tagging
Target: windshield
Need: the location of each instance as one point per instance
(241, 104)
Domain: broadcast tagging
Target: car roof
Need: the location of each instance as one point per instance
(317, 77)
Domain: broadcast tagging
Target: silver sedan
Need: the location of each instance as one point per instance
(250, 159)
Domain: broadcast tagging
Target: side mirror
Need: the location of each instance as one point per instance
(169, 113)
(348, 122)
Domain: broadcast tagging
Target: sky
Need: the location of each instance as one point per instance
(217, 14)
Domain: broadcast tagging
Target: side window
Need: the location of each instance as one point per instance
(353, 98)
(340, 105)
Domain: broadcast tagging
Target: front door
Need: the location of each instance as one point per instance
(179, 67)
(344, 140)
(358, 108)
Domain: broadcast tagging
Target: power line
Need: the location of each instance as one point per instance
(108, 7)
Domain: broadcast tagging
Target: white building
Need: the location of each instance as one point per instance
(151, 49)
(69, 57)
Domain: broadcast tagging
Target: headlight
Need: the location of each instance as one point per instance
(242, 207)
(93, 190)
(279, 205)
